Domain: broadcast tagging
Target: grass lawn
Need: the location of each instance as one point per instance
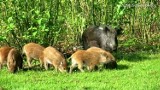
(138, 71)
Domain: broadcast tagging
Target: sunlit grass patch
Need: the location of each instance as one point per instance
(140, 75)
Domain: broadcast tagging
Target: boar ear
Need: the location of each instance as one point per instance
(119, 30)
(106, 28)
(104, 54)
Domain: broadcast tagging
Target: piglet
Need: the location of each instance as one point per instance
(14, 60)
(33, 51)
(3, 55)
(54, 57)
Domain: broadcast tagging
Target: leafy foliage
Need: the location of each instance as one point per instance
(49, 22)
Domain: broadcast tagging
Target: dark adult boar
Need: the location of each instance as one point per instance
(3, 55)
(14, 60)
(104, 37)
(33, 51)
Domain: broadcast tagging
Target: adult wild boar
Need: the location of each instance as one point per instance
(54, 57)
(14, 60)
(90, 58)
(111, 63)
(104, 37)
(3, 55)
(33, 51)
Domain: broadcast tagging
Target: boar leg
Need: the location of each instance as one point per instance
(1, 63)
(29, 61)
(74, 64)
(56, 67)
(46, 65)
(80, 67)
(41, 63)
(91, 67)
(15, 70)
(0, 66)
(20, 66)
(72, 67)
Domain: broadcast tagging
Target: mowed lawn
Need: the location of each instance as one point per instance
(138, 71)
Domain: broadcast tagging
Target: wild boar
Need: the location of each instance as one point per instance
(33, 51)
(14, 60)
(88, 58)
(102, 36)
(3, 55)
(111, 62)
(54, 57)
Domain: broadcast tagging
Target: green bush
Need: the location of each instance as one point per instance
(49, 22)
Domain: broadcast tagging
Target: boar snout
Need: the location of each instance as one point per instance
(63, 67)
(12, 70)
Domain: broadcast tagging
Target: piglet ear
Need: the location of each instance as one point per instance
(106, 28)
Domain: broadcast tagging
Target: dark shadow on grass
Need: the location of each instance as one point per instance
(38, 68)
(34, 68)
(136, 53)
(122, 67)
(133, 56)
(101, 68)
(2, 88)
(119, 67)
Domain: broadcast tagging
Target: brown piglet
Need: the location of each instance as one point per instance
(111, 61)
(54, 57)
(87, 58)
(33, 51)
(3, 55)
(14, 60)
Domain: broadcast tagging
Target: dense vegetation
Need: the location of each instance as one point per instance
(61, 22)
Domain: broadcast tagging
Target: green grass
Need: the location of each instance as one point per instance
(141, 72)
